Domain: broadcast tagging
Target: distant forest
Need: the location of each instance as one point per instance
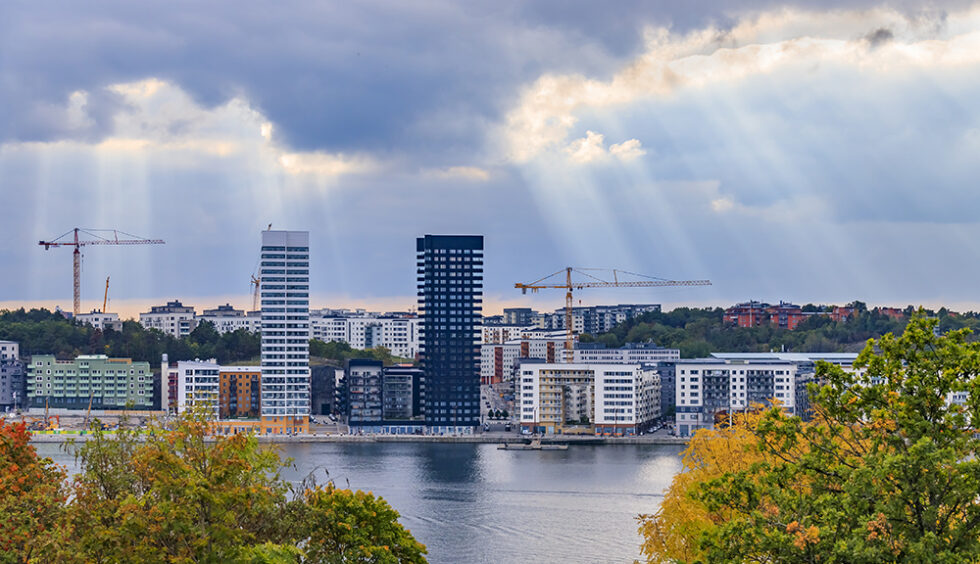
(40, 331)
(697, 332)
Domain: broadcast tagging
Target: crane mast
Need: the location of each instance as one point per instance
(595, 282)
(111, 237)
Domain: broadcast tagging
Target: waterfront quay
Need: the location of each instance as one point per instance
(487, 438)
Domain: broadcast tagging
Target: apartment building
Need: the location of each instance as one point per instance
(450, 289)
(100, 320)
(227, 319)
(600, 399)
(715, 387)
(13, 376)
(284, 268)
(397, 332)
(96, 380)
(174, 319)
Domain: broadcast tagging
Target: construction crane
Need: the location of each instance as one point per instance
(595, 282)
(111, 238)
(105, 299)
(256, 281)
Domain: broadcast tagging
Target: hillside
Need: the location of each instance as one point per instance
(699, 332)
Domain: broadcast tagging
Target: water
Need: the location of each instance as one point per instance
(474, 503)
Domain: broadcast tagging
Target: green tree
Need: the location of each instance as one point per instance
(343, 526)
(887, 471)
(183, 495)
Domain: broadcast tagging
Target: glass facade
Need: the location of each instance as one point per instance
(285, 293)
(450, 293)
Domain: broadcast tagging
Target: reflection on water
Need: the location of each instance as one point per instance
(474, 503)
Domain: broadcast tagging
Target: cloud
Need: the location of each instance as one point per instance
(468, 173)
(772, 42)
(592, 148)
(158, 119)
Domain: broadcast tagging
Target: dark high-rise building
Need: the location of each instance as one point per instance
(450, 282)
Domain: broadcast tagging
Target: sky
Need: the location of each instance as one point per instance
(811, 151)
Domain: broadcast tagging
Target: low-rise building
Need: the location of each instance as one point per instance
(240, 391)
(175, 319)
(96, 380)
(402, 394)
(601, 399)
(199, 385)
(101, 320)
(364, 385)
(711, 388)
(396, 331)
(631, 353)
(227, 319)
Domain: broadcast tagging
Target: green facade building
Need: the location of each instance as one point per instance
(110, 383)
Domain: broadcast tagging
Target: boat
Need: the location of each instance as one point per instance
(534, 444)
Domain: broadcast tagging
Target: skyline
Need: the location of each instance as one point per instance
(807, 151)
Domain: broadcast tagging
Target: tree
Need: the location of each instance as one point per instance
(182, 495)
(504, 414)
(886, 471)
(32, 494)
(490, 414)
(344, 526)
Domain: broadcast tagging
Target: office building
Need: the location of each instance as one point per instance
(600, 399)
(450, 289)
(174, 319)
(13, 376)
(103, 382)
(285, 294)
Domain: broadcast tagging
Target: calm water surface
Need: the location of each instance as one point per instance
(474, 503)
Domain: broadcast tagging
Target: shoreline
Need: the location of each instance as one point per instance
(476, 439)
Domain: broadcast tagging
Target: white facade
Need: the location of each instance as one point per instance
(621, 398)
(498, 362)
(285, 293)
(630, 354)
(225, 324)
(705, 387)
(363, 330)
(174, 319)
(101, 320)
(198, 383)
(9, 350)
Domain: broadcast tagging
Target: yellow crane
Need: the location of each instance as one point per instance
(594, 281)
(105, 299)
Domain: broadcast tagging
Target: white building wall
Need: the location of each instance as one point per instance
(175, 324)
(197, 384)
(9, 350)
(99, 320)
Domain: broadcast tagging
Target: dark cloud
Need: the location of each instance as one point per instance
(879, 37)
(345, 76)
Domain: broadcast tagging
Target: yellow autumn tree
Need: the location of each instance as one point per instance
(670, 535)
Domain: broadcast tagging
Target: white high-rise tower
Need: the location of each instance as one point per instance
(285, 295)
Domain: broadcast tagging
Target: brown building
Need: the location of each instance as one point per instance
(239, 391)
